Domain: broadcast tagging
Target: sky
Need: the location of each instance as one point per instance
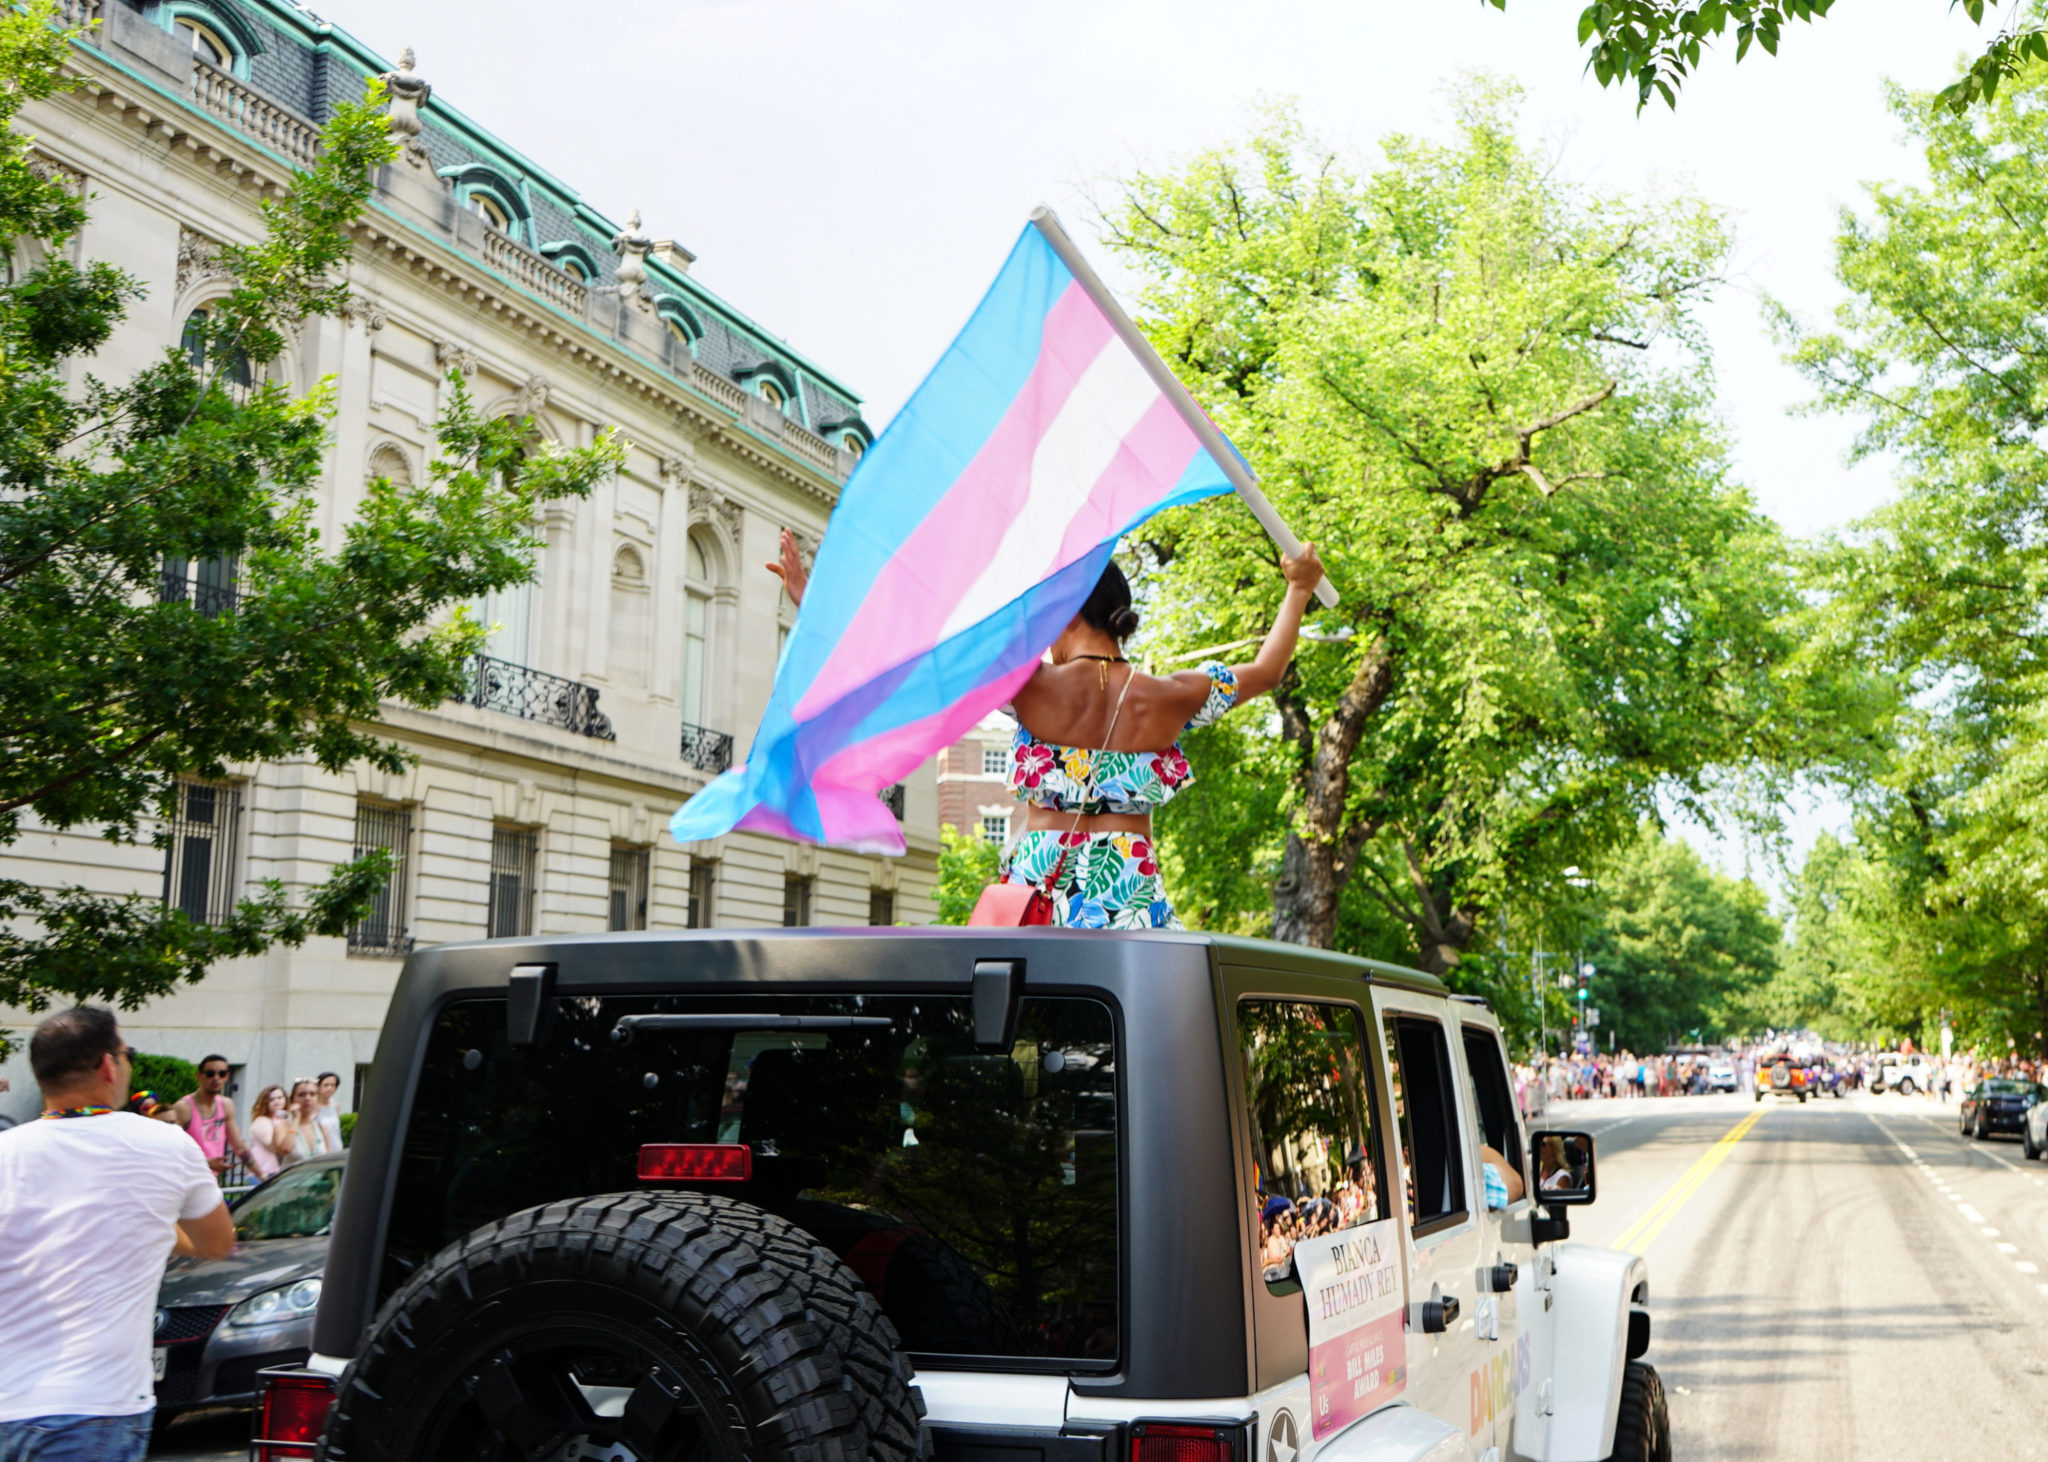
(851, 173)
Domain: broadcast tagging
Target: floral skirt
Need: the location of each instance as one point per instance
(1110, 880)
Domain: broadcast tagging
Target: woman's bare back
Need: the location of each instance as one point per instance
(1070, 705)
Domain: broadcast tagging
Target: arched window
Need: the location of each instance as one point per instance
(492, 210)
(853, 443)
(771, 393)
(677, 330)
(206, 42)
(573, 267)
(699, 583)
(237, 375)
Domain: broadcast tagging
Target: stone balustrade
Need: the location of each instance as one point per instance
(552, 283)
(284, 132)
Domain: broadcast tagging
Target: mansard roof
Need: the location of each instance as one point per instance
(309, 66)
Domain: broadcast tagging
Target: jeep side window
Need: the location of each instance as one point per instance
(1309, 1106)
(1493, 1099)
(1426, 1111)
(974, 1192)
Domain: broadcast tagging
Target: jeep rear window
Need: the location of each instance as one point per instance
(975, 1192)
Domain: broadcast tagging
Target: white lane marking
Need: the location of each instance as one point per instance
(1989, 1233)
(2026, 1266)
(2007, 1248)
(1970, 1213)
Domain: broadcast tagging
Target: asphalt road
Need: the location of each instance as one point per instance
(1844, 1278)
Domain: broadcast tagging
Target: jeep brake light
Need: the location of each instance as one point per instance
(291, 1413)
(696, 1162)
(1161, 1441)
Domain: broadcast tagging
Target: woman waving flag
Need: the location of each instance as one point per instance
(964, 544)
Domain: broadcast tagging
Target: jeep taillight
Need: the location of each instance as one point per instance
(291, 1412)
(1179, 1441)
(696, 1162)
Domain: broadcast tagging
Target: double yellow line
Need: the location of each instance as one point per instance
(1640, 1234)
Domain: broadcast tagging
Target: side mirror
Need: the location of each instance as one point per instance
(1564, 1168)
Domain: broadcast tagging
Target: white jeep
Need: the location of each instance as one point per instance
(975, 1195)
(1912, 1073)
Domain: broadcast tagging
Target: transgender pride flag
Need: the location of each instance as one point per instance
(965, 541)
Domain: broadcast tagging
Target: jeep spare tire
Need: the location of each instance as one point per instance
(634, 1327)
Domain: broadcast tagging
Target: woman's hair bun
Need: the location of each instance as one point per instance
(1123, 623)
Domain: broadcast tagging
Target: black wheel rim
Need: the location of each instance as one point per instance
(577, 1392)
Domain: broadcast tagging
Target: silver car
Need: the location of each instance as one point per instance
(220, 1321)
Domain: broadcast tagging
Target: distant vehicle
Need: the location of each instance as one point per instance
(2034, 1131)
(1998, 1104)
(220, 1321)
(1721, 1077)
(1906, 1072)
(1782, 1074)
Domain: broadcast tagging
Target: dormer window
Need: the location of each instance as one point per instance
(573, 267)
(205, 41)
(771, 393)
(853, 444)
(490, 210)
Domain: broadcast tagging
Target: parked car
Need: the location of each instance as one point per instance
(220, 1321)
(1997, 1104)
(1721, 1077)
(2034, 1130)
(889, 1195)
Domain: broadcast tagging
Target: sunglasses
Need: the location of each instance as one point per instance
(215, 1071)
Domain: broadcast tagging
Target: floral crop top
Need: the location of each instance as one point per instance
(1074, 779)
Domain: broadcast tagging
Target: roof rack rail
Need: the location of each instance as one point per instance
(1480, 1000)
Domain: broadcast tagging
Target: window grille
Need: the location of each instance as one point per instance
(796, 902)
(995, 761)
(382, 930)
(881, 906)
(199, 867)
(207, 584)
(629, 888)
(515, 857)
(995, 828)
(703, 874)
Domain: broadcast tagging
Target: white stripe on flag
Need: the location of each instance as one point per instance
(1079, 445)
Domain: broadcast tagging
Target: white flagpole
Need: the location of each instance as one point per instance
(1240, 476)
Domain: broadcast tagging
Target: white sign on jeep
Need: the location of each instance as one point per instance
(1357, 1348)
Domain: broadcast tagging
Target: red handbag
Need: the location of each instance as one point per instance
(1004, 905)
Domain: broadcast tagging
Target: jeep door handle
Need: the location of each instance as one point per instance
(1439, 1315)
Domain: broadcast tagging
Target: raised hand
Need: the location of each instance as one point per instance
(789, 568)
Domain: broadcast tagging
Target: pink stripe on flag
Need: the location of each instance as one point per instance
(947, 552)
(1151, 461)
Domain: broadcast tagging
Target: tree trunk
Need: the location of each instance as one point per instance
(1322, 847)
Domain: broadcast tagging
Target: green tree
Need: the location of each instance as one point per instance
(1942, 351)
(1654, 45)
(1485, 394)
(1678, 948)
(122, 677)
(967, 864)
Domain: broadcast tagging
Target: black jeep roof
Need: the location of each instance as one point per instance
(1185, 1288)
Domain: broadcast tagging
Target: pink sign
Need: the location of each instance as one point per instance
(1357, 1345)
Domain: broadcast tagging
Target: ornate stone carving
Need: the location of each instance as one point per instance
(198, 259)
(533, 395)
(408, 94)
(632, 247)
(714, 506)
(452, 357)
(676, 468)
(52, 171)
(362, 309)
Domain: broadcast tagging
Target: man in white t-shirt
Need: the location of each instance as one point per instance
(93, 1201)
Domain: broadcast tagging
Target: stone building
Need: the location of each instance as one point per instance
(614, 685)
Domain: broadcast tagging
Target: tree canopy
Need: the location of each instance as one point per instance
(170, 609)
(1485, 393)
(1654, 45)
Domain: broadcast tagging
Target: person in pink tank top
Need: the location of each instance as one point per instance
(209, 1116)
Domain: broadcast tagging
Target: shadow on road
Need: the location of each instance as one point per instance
(213, 1436)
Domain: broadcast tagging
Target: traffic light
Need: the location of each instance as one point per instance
(1585, 984)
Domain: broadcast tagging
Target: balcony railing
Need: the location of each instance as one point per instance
(208, 586)
(545, 279)
(533, 695)
(240, 105)
(892, 798)
(708, 751)
(373, 939)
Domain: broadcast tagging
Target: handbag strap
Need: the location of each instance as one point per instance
(1053, 881)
